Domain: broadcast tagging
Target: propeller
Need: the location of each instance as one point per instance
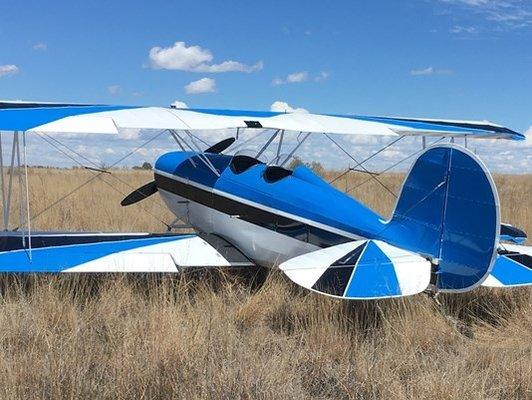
(139, 194)
(220, 146)
(150, 188)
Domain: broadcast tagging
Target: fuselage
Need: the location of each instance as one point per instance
(270, 213)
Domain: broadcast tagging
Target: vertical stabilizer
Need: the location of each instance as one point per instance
(449, 210)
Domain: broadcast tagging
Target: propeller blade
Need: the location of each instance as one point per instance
(140, 194)
(220, 146)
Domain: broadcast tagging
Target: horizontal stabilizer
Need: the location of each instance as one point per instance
(513, 267)
(366, 269)
(510, 233)
(121, 252)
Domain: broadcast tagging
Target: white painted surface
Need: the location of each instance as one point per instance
(160, 257)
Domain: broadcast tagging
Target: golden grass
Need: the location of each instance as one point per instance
(248, 335)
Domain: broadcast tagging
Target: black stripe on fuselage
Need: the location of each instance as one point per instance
(269, 220)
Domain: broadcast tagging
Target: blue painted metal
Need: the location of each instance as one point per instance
(306, 174)
(59, 258)
(510, 233)
(374, 275)
(448, 209)
(27, 116)
(476, 129)
(513, 239)
(23, 119)
(302, 194)
(441, 126)
(511, 273)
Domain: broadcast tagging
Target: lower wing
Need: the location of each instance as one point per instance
(117, 252)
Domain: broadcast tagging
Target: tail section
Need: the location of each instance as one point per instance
(448, 210)
(444, 233)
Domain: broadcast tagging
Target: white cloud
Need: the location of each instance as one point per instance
(463, 29)
(323, 75)
(114, 89)
(528, 134)
(40, 46)
(282, 106)
(430, 71)
(8, 69)
(178, 104)
(231, 66)
(203, 85)
(422, 71)
(129, 133)
(194, 58)
(296, 77)
(501, 13)
(474, 3)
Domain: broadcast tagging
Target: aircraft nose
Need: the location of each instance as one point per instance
(169, 162)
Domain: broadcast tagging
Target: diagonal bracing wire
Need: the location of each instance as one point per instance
(368, 158)
(392, 166)
(361, 166)
(102, 170)
(97, 175)
(100, 173)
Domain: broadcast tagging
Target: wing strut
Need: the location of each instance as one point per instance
(289, 156)
(14, 170)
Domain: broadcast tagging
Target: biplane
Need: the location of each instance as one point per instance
(444, 235)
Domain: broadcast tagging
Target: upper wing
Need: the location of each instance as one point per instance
(81, 118)
(119, 252)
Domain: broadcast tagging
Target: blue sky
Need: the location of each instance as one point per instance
(463, 59)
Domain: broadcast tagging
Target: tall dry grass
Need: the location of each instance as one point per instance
(248, 334)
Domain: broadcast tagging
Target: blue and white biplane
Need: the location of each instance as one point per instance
(445, 234)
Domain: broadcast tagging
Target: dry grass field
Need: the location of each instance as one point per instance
(229, 335)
